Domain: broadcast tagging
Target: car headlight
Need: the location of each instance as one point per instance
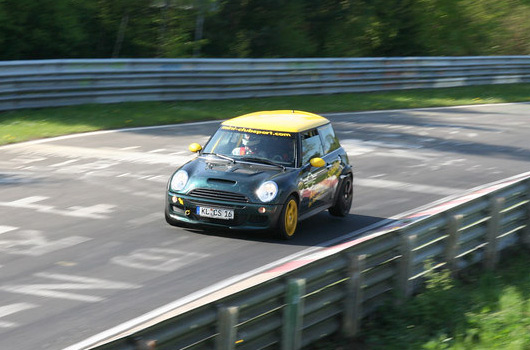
(267, 191)
(179, 180)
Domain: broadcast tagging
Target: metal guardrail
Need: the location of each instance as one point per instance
(348, 282)
(47, 83)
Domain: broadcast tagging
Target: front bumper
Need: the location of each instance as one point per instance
(183, 209)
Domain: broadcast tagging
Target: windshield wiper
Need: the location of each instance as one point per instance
(222, 156)
(262, 161)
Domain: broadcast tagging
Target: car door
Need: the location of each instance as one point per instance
(314, 188)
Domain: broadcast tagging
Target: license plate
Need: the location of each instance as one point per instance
(216, 213)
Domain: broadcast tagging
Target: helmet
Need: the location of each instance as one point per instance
(250, 140)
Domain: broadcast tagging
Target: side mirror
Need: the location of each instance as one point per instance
(317, 162)
(195, 147)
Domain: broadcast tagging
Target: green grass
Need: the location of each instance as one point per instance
(22, 125)
(484, 310)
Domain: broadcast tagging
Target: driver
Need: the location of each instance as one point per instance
(249, 145)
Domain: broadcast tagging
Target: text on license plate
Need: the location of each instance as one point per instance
(217, 213)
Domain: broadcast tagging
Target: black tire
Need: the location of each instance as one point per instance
(288, 220)
(344, 198)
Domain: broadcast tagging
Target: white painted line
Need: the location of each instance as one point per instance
(107, 154)
(406, 187)
(339, 114)
(158, 259)
(35, 243)
(96, 211)
(55, 290)
(64, 163)
(146, 219)
(28, 202)
(27, 160)
(4, 229)
(13, 309)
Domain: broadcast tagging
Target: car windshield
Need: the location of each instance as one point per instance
(245, 144)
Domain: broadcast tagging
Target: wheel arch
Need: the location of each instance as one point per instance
(347, 173)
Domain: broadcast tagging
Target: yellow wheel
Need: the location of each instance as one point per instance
(288, 219)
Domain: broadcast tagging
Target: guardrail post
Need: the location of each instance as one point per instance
(453, 227)
(405, 285)
(227, 328)
(491, 257)
(526, 232)
(293, 315)
(353, 302)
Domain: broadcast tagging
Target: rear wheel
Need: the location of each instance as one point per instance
(288, 219)
(344, 198)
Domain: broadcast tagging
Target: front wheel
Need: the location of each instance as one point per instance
(344, 198)
(288, 219)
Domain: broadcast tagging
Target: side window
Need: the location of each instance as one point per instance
(311, 146)
(329, 140)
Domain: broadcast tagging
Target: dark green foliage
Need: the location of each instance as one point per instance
(262, 28)
(256, 28)
(483, 310)
(39, 29)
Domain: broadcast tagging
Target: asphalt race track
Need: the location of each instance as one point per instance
(83, 241)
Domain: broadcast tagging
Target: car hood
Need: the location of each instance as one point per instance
(240, 177)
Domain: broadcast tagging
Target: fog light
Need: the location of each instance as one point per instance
(174, 199)
(262, 210)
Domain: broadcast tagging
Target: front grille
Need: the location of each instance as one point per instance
(207, 193)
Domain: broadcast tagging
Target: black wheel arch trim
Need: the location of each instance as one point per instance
(345, 174)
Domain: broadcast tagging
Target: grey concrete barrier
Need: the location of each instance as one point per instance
(48, 83)
(336, 289)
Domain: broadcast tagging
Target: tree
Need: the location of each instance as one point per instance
(182, 26)
(254, 28)
(339, 28)
(39, 29)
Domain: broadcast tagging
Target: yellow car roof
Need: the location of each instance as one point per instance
(285, 120)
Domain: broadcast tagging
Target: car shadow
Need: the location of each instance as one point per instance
(314, 231)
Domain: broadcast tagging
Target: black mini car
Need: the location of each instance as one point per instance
(264, 170)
